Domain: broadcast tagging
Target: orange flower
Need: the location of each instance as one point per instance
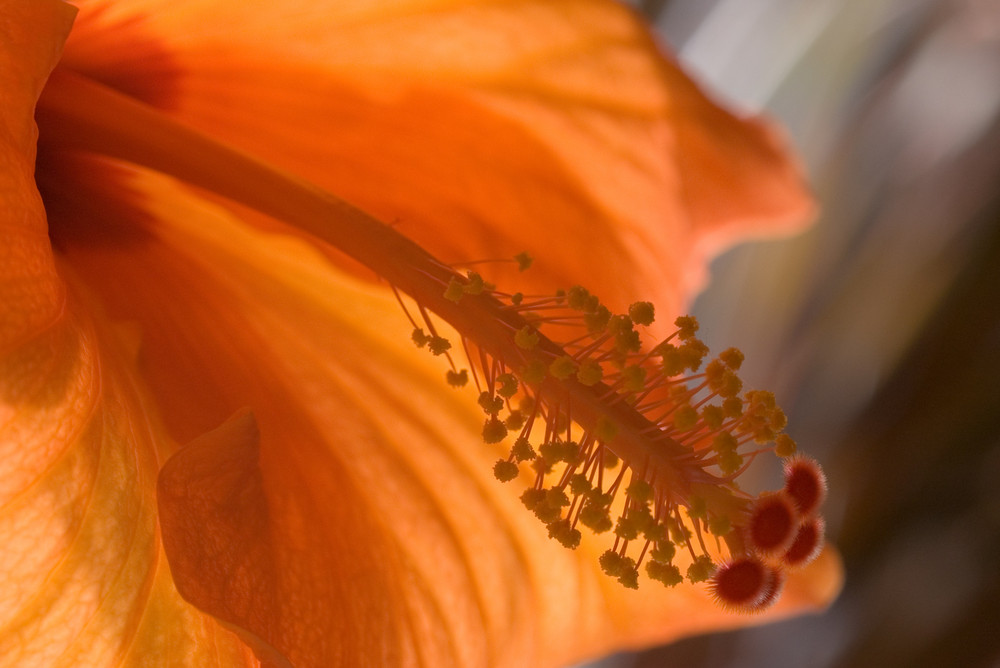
(351, 516)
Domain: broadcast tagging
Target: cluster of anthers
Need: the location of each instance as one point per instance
(644, 444)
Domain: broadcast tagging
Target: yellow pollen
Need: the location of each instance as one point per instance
(562, 368)
(494, 430)
(634, 378)
(515, 420)
(508, 385)
(687, 327)
(577, 298)
(784, 446)
(534, 373)
(642, 313)
(476, 285)
(605, 430)
(455, 290)
(701, 570)
(526, 338)
(522, 450)
(589, 372)
(489, 403)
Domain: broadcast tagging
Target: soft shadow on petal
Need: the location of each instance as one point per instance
(480, 129)
(31, 294)
(84, 579)
(215, 522)
(368, 528)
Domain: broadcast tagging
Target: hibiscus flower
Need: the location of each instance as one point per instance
(181, 265)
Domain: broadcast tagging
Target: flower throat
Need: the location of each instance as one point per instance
(644, 443)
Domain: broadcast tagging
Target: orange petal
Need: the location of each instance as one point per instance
(365, 527)
(31, 295)
(482, 130)
(83, 580)
(737, 176)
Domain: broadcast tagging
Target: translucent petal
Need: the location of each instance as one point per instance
(364, 525)
(479, 129)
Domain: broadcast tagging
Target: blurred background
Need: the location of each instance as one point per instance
(879, 329)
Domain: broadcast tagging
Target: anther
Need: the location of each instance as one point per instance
(687, 327)
(595, 516)
(642, 313)
(784, 446)
(640, 490)
(667, 574)
(597, 320)
(612, 563)
(522, 450)
(508, 385)
(730, 462)
(629, 577)
(562, 367)
(732, 357)
(579, 484)
(489, 403)
(515, 420)
(633, 378)
(563, 532)
(494, 430)
(476, 285)
(455, 290)
(712, 416)
(526, 338)
(664, 551)
(523, 260)
(532, 497)
(577, 298)
(720, 526)
(534, 372)
(701, 569)
(504, 470)
(605, 430)
(685, 418)
(589, 372)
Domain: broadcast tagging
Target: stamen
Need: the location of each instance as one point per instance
(595, 403)
(682, 413)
